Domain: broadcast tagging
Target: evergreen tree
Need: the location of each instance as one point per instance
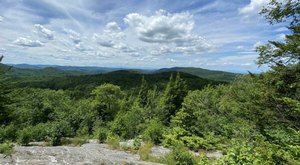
(277, 53)
(143, 93)
(284, 58)
(4, 112)
(172, 98)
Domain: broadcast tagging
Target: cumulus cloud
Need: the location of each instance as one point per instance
(166, 28)
(73, 35)
(112, 36)
(162, 27)
(26, 42)
(1, 18)
(112, 26)
(44, 31)
(253, 7)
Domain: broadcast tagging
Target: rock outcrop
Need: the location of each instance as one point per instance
(87, 154)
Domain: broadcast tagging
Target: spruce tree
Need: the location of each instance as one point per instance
(172, 98)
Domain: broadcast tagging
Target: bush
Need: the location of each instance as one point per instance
(101, 134)
(59, 130)
(137, 143)
(25, 136)
(7, 133)
(182, 156)
(154, 131)
(113, 141)
(6, 149)
(32, 133)
(128, 124)
(83, 131)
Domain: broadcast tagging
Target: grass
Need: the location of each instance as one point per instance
(113, 141)
(6, 149)
(77, 141)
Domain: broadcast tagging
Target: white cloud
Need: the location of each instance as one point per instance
(172, 30)
(253, 7)
(81, 47)
(44, 31)
(26, 42)
(281, 36)
(74, 36)
(237, 60)
(162, 27)
(111, 37)
(113, 26)
(1, 18)
(281, 29)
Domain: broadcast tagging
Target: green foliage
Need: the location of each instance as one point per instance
(153, 132)
(77, 141)
(180, 156)
(59, 130)
(143, 93)
(287, 52)
(144, 151)
(171, 99)
(107, 100)
(6, 149)
(204, 73)
(256, 152)
(128, 124)
(101, 134)
(8, 133)
(113, 141)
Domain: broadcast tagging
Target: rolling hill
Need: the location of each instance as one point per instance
(204, 73)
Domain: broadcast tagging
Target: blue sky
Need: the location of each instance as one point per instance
(212, 34)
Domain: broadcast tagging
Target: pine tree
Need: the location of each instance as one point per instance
(172, 98)
(143, 93)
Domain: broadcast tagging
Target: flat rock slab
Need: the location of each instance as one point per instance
(87, 154)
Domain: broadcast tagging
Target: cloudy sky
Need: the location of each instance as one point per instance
(212, 34)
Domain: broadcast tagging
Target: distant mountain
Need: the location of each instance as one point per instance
(48, 71)
(204, 73)
(82, 69)
(55, 70)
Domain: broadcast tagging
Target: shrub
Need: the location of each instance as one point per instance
(25, 136)
(182, 156)
(144, 151)
(6, 149)
(7, 133)
(59, 130)
(137, 143)
(113, 141)
(154, 131)
(101, 134)
(83, 131)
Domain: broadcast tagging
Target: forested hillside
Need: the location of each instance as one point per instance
(204, 73)
(251, 120)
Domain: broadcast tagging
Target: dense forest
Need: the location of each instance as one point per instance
(253, 119)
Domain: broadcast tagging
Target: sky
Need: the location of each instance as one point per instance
(146, 34)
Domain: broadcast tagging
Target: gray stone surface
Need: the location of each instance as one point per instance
(159, 151)
(87, 154)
